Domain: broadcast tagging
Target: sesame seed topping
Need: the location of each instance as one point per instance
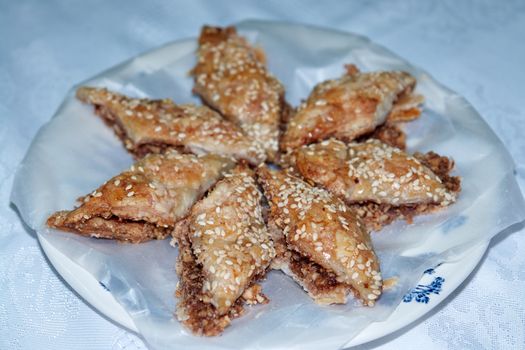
(231, 61)
(374, 172)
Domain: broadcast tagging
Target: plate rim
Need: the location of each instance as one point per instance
(95, 294)
(98, 297)
(467, 264)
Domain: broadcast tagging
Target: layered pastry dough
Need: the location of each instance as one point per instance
(231, 77)
(327, 249)
(224, 248)
(390, 134)
(150, 126)
(373, 172)
(351, 106)
(145, 201)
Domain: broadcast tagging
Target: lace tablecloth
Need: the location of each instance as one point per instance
(474, 47)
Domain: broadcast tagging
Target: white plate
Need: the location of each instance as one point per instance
(453, 274)
(75, 152)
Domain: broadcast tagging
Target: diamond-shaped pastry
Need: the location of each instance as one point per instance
(383, 180)
(150, 126)
(231, 77)
(224, 248)
(351, 106)
(326, 239)
(145, 201)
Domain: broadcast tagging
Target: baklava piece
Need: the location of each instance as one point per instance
(224, 248)
(390, 134)
(321, 243)
(150, 126)
(231, 77)
(352, 106)
(144, 202)
(381, 182)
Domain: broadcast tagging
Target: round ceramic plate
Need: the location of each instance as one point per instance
(75, 152)
(436, 284)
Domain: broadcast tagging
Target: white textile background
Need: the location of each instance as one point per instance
(473, 47)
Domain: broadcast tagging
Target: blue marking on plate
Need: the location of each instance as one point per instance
(103, 286)
(454, 223)
(421, 293)
(429, 271)
(432, 270)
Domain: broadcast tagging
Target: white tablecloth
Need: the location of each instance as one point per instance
(475, 47)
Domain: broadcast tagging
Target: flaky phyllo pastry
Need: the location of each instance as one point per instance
(383, 179)
(231, 77)
(145, 201)
(324, 246)
(150, 126)
(224, 247)
(351, 106)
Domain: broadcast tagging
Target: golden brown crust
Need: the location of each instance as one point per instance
(231, 77)
(371, 172)
(376, 216)
(154, 125)
(320, 284)
(201, 318)
(143, 202)
(406, 108)
(380, 191)
(109, 228)
(441, 166)
(349, 107)
(232, 248)
(321, 228)
(390, 134)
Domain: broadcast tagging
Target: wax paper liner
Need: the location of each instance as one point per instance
(75, 152)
